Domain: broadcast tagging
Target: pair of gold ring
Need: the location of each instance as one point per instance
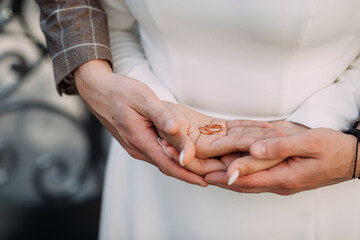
(210, 129)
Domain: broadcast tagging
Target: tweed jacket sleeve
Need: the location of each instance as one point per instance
(76, 32)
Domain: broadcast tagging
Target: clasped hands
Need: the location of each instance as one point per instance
(280, 157)
(254, 156)
(224, 156)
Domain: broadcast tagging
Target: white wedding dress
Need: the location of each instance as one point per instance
(296, 60)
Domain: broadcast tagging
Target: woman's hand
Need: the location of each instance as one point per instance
(204, 146)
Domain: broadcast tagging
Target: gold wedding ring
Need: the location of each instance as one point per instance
(210, 129)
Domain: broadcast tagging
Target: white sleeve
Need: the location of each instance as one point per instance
(128, 55)
(335, 106)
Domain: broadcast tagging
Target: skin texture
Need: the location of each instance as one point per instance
(136, 117)
(245, 163)
(315, 158)
(207, 146)
(295, 159)
(130, 110)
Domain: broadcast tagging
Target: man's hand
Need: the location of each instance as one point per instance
(240, 164)
(130, 111)
(315, 158)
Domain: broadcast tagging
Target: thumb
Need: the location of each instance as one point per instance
(283, 147)
(154, 110)
(182, 142)
(169, 128)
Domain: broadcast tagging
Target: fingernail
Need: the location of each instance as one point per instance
(259, 150)
(181, 158)
(233, 177)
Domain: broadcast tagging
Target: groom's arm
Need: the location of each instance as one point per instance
(76, 32)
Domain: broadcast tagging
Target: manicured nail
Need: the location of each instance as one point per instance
(233, 177)
(181, 158)
(259, 150)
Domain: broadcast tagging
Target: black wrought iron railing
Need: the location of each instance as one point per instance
(45, 151)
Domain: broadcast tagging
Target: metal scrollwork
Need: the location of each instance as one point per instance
(55, 168)
(8, 159)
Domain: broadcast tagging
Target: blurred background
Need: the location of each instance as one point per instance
(52, 150)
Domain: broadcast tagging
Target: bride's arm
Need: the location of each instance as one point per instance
(336, 106)
(128, 55)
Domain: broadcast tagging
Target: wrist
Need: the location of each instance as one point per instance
(354, 135)
(92, 69)
(93, 75)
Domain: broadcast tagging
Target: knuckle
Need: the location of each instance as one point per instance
(204, 168)
(201, 150)
(135, 154)
(165, 171)
(289, 184)
(248, 187)
(285, 192)
(238, 142)
(314, 143)
(245, 168)
(160, 118)
(279, 132)
(197, 166)
(232, 124)
(279, 148)
(134, 141)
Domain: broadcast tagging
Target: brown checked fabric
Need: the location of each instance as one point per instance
(76, 31)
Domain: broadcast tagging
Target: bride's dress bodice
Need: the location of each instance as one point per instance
(262, 59)
(253, 59)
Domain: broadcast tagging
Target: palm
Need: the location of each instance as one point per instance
(190, 121)
(195, 144)
(200, 148)
(206, 145)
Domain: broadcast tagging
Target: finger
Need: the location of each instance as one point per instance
(166, 165)
(170, 150)
(258, 133)
(271, 180)
(229, 158)
(220, 179)
(183, 144)
(165, 143)
(247, 123)
(248, 164)
(304, 145)
(197, 165)
(158, 113)
(204, 166)
(241, 130)
(226, 145)
(164, 147)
